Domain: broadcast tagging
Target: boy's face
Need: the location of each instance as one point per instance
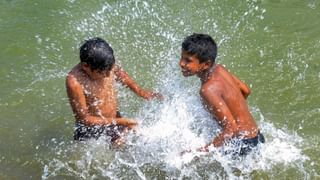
(95, 74)
(190, 64)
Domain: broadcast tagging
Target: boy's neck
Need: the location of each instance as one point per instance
(93, 77)
(206, 75)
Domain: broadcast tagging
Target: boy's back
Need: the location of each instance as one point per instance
(223, 94)
(223, 84)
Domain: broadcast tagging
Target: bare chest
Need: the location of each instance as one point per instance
(100, 94)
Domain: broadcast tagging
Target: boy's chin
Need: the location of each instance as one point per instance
(186, 74)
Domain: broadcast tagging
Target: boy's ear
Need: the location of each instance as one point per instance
(207, 64)
(85, 65)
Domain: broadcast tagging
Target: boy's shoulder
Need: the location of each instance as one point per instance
(221, 69)
(210, 87)
(74, 77)
(75, 71)
(215, 84)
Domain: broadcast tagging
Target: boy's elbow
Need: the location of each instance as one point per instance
(248, 92)
(83, 118)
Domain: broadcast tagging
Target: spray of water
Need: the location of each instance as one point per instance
(166, 129)
(177, 124)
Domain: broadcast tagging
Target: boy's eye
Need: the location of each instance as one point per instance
(188, 60)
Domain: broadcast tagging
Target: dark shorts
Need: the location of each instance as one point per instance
(83, 132)
(245, 146)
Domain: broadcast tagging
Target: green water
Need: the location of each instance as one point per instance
(273, 45)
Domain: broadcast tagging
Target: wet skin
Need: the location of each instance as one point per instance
(224, 96)
(93, 96)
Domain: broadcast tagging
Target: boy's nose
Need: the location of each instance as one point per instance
(181, 63)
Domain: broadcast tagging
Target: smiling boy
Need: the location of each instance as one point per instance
(222, 93)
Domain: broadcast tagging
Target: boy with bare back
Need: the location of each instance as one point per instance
(222, 93)
(93, 96)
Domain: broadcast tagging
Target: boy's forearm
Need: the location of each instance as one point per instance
(245, 90)
(148, 95)
(217, 142)
(139, 91)
(95, 120)
(123, 121)
(126, 80)
(129, 82)
(221, 138)
(145, 94)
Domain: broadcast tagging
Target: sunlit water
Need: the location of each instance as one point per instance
(273, 46)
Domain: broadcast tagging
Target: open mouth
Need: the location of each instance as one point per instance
(185, 72)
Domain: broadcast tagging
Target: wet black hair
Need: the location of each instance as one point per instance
(201, 45)
(98, 54)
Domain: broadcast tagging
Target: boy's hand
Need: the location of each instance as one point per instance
(132, 124)
(152, 95)
(158, 96)
(202, 149)
(184, 152)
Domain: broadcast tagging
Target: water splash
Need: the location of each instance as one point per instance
(180, 122)
(166, 129)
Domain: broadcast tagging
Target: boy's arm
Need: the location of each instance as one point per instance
(221, 111)
(126, 80)
(79, 107)
(245, 90)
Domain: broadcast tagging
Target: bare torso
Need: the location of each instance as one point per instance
(225, 86)
(100, 95)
